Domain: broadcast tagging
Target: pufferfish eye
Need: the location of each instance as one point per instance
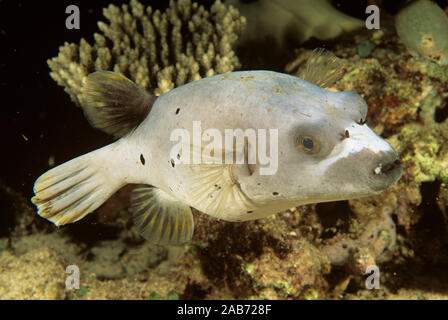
(308, 144)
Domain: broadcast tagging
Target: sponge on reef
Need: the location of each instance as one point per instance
(423, 28)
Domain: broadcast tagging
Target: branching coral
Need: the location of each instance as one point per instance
(158, 51)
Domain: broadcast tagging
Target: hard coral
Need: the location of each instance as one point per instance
(158, 51)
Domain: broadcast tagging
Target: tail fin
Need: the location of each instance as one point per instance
(72, 190)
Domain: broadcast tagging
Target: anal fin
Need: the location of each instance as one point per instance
(160, 218)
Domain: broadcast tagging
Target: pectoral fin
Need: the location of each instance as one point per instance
(214, 187)
(160, 218)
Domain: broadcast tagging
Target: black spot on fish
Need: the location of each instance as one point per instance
(172, 163)
(178, 156)
(177, 110)
(251, 168)
(142, 159)
(250, 211)
(275, 193)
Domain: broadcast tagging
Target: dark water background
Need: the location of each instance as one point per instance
(32, 104)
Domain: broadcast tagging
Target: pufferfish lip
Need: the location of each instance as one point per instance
(388, 168)
(391, 166)
(386, 172)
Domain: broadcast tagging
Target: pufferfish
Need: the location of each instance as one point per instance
(321, 146)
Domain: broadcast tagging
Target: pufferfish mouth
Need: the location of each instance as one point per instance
(387, 171)
(388, 168)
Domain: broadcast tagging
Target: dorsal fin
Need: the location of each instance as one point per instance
(113, 103)
(323, 68)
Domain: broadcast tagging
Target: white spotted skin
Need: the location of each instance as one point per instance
(266, 100)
